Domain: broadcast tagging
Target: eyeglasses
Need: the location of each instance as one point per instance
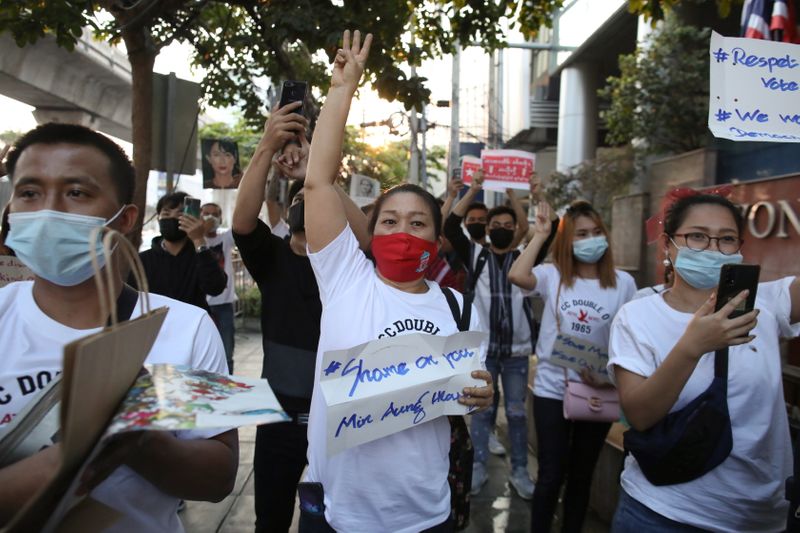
(699, 241)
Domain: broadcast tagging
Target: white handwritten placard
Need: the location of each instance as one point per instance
(388, 385)
(12, 269)
(503, 169)
(578, 354)
(755, 90)
(469, 166)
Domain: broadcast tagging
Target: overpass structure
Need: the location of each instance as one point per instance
(90, 85)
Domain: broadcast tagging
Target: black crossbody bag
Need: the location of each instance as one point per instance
(690, 442)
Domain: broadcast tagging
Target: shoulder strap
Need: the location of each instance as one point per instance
(479, 264)
(721, 365)
(126, 303)
(461, 317)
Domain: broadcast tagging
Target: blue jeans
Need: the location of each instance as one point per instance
(633, 517)
(222, 315)
(514, 373)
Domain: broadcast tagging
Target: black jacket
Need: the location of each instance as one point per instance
(188, 276)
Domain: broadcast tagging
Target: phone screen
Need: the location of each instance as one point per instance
(191, 206)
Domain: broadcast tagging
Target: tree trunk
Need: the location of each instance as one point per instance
(142, 55)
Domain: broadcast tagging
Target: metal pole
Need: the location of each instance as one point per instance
(454, 107)
(423, 161)
(169, 130)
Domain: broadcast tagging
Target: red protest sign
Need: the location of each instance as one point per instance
(507, 169)
(469, 166)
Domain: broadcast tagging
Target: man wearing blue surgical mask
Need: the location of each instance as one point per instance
(67, 180)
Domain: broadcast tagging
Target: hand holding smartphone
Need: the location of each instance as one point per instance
(733, 279)
(294, 91)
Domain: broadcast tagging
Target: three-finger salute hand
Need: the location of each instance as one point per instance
(350, 60)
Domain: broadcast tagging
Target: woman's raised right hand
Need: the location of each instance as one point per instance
(711, 330)
(350, 60)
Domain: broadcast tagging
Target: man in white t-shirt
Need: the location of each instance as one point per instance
(220, 307)
(67, 181)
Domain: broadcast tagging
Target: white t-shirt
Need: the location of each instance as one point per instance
(521, 337)
(280, 229)
(649, 291)
(33, 346)
(397, 483)
(586, 311)
(746, 492)
(222, 245)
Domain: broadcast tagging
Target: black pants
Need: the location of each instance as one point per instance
(280, 457)
(568, 449)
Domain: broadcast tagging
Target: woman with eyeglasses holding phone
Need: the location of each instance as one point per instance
(662, 356)
(582, 292)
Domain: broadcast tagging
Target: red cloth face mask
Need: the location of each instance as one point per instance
(402, 257)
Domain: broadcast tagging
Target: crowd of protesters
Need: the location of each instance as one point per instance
(333, 275)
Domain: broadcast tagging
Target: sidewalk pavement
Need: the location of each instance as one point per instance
(497, 509)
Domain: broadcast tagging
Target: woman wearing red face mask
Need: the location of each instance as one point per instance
(397, 483)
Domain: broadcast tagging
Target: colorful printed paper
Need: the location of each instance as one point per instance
(171, 397)
(755, 89)
(391, 384)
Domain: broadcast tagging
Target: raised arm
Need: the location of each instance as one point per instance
(325, 213)
(475, 187)
(453, 187)
(356, 218)
(281, 126)
(274, 207)
(522, 218)
(521, 273)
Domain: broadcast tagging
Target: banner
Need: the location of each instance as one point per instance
(755, 90)
(503, 169)
(388, 385)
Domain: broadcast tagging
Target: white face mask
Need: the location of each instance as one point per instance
(216, 221)
(55, 245)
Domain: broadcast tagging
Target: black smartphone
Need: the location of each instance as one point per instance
(312, 497)
(191, 206)
(294, 91)
(733, 279)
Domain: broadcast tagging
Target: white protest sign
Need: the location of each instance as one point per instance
(504, 169)
(469, 166)
(12, 269)
(578, 354)
(391, 384)
(755, 90)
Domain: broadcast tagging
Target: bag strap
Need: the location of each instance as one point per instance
(479, 264)
(461, 316)
(721, 366)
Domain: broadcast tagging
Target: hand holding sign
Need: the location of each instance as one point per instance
(392, 384)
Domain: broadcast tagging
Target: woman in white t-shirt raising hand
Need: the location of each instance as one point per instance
(397, 483)
(662, 357)
(582, 292)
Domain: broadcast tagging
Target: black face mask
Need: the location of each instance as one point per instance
(501, 237)
(296, 217)
(170, 230)
(477, 230)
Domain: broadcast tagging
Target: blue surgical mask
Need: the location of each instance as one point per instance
(700, 269)
(590, 250)
(55, 245)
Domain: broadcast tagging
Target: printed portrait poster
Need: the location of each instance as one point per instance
(221, 168)
(363, 189)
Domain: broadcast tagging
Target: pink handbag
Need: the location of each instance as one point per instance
(590, 404)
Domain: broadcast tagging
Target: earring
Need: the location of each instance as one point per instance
(666, 262)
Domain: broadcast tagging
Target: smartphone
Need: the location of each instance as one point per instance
(312, 497)
(294, 91)
(191, 206)
(733, 279)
